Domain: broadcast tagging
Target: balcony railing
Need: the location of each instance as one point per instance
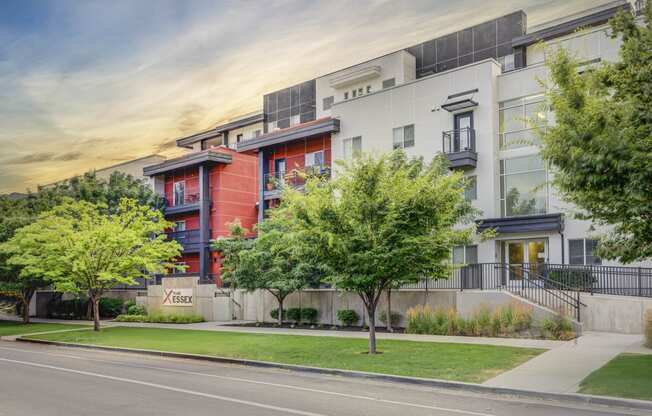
(183, 199)
(185, 237)
(295, 178)
(461, 140)
(459, 147)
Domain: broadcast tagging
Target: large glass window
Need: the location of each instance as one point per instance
(213, 142)
(403, 137)
(523, 186)
(465, 255)
(582, 251)
(352, 147)
(471, 190)
(519, 119)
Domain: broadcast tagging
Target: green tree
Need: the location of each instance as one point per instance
(381, 222)
(601, 144)
(267, 262)
(17, 213)
(79, 247)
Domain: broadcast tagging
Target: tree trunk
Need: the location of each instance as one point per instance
(280, 311)
(371, 312)
(388, 312)
(96, 312)
(26, 298)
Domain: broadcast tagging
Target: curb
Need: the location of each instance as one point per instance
(574, 398)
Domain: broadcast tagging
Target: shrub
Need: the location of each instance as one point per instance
(110, 307)
(508, 320)
(293, 315)
(137, 310)
(348, 317)
(128, 304)
(309, 315)
(396, 318)
(558, 327)
(575, 278)
(161, 318)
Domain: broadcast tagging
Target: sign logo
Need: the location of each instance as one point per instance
(177, 297)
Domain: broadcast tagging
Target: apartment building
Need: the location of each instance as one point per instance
(208, 188)
(466, 94)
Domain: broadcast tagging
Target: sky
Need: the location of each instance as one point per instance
(88, 84)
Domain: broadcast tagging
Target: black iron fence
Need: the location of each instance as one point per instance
(556, 286)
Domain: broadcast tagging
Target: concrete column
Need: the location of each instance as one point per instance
(204, 223)
(262, 168)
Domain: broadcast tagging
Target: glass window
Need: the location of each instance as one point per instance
(346, 95)
(179, 226)
(518, 120)
(388, 83)
(582, 251)
(471, 190)
(328, 102)
(213, 142)
(352, 147)
(314, 159)
(179, 193)
(368, 89)
(403, 136)
(523, 186)
(465, 255)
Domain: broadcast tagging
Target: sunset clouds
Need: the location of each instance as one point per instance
(88, 84)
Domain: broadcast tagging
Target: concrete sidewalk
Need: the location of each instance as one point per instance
(560, 370)
(229, 327)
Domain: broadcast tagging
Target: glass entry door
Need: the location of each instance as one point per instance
(463, 129)
(526, 258)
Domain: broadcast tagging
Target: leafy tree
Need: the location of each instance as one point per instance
(601, 145)
(79, 247)
(268, 262)
(381, 222)
(17, 213)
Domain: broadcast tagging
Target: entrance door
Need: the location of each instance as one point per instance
(463, 130)
(526, 258)
(279, 170)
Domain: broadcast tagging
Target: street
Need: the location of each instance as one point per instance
(48, 380)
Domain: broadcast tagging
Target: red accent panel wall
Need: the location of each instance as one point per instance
(294, 153)
(191, 260)
(233, 189)
(191, 219)
(189, 175)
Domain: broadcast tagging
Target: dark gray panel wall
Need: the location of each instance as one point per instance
(492, 39)
(298, 100)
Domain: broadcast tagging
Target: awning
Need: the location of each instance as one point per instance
(460, 101)
(523, 224)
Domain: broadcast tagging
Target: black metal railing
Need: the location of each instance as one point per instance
(460, 140)
(185, 198)
(555, 286)
(185, 237)
(547, 293)
(294, 178)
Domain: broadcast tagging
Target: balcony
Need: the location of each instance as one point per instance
(188, 239)
(459, 148)
(183, 202)
(296, 178)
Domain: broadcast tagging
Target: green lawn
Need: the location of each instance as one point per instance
(627, 375)
(17, 328)
(461, 362)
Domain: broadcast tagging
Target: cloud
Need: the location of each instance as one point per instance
(98, 81)
(32, 158)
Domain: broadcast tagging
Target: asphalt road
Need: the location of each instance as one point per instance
(48, 380)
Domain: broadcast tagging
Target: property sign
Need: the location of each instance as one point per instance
(177, 297)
